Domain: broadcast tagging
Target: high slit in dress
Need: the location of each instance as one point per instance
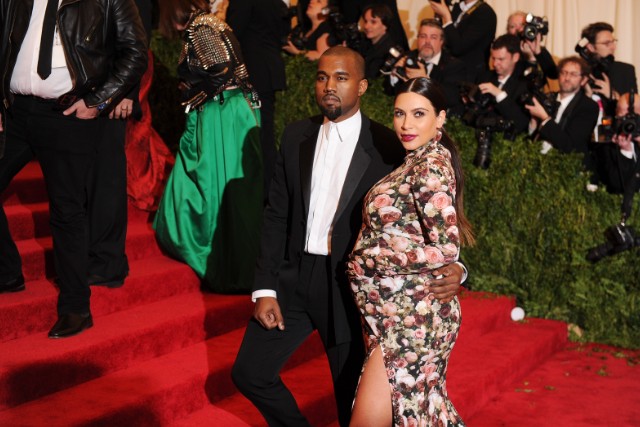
(409, 229)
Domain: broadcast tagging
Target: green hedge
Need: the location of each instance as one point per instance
(533, 219)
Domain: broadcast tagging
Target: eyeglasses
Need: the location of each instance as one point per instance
(570, 74)
(608, 42)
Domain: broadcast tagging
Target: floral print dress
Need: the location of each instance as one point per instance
(410, 229)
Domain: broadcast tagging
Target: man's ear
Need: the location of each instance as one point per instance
(591, 48)
(363, 86)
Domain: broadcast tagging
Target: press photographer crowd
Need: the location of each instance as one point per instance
(510, 84)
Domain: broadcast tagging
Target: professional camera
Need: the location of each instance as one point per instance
(479, 113)
(395, 54)
(535, 85)
(342, 32)
(598, 65)
(629, 124)
(619, 238)
(535, 25)
(297, 35)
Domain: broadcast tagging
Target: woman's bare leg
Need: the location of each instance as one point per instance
(372, 406)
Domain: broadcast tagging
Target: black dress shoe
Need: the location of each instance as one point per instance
(113, 282)
(70, 324)
(14, 285)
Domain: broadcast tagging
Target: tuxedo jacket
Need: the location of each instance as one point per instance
(377, 153)
(470, 41)
(623, 80)
(260, 26)
(573, 132)
(613, 169)
(511, 108)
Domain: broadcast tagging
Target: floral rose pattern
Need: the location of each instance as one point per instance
(409, 229)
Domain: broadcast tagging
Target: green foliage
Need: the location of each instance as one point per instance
(534, 222)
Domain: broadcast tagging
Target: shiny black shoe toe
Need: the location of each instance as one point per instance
(14, 285)
(70, 324)
(114, 282)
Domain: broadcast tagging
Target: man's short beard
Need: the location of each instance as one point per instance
(332, 113)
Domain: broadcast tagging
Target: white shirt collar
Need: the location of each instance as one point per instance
(464, 6)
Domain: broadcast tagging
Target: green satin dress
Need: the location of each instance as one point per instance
(211, 210)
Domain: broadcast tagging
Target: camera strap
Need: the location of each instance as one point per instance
(464, 15)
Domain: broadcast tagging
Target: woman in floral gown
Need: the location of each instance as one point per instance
(413, 223)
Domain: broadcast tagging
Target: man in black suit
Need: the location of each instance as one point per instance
(429, 60)
(571, 128)
(504, 85)
(326, 165)
(619, 77)
(260, 26)
(469, 30)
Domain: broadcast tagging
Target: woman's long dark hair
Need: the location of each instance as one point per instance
(174, 12)
(431, 91)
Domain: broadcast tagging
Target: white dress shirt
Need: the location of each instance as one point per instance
(25, 79)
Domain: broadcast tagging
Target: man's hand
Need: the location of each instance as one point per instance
(416, 72)
(603, 86)
(534, 45)
(123, 110)
(625, 142)
(489, 87)
(82, 111)
(447, 287)
(440, 8)
(267, 313)
(536, 110)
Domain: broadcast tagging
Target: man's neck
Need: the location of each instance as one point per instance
(563, 95)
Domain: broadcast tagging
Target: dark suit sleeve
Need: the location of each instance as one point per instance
(238, 16)
(482, 21)
(547, 64)
(510, 109)
(454, 73)
(274, 224)
(576, 134)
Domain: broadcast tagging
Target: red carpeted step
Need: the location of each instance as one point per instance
(579, 386)
(35, 366)
(37, 254)
(483, 312)
(33, 311)
(210, 415)
(27, 187)
(155, 392)
(480, 368)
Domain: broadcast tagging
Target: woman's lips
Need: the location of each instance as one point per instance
(407, 138)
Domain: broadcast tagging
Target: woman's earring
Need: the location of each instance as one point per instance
(438, 136)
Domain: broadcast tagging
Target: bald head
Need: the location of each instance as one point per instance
(345, 52)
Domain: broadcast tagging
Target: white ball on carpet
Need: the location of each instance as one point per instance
(517, 314)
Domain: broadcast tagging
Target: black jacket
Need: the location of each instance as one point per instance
(104, 42)
(284, 226)
(511, 108)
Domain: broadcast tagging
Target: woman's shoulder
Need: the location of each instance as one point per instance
(208, 20)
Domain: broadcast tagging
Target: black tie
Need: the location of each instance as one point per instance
(46, 42)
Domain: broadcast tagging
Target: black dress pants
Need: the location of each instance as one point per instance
(67, 149)
(263, 353)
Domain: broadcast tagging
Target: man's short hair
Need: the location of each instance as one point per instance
(434, 23)
(584, 67)
(382, 12)
(346, 51)
(509, 42)
(590, 32)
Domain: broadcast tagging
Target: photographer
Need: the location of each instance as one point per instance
(503, 84)
(571, 127)
(376, 21)
(610, 77)
(531, 29)
(430, 61)
(617, 162)
(313, 42)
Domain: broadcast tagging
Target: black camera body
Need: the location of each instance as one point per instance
(619, 238)
(535, 88)
(297, 38)
(412, 61)
(341, 31)
(629, 124)
(598, 65)
(535, 25)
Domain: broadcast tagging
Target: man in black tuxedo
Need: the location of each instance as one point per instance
(619, 77)
(503, 83)
(326, 165)
(469, 30)
(571, 128)
(261, 26)
(429, 60)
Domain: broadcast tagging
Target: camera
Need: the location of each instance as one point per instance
(619, 238)
(479, 113)
(535, 25)
(598, 65)
(629, 124)
(342, 32)
(296, 35)
(535, 84)
(395, 54)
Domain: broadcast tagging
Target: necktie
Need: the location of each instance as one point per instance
(46, 41)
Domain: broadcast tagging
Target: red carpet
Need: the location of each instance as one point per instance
(161, 351)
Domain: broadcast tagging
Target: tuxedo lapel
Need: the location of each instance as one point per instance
(358, 166)
(569, 110)
(307, 151)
